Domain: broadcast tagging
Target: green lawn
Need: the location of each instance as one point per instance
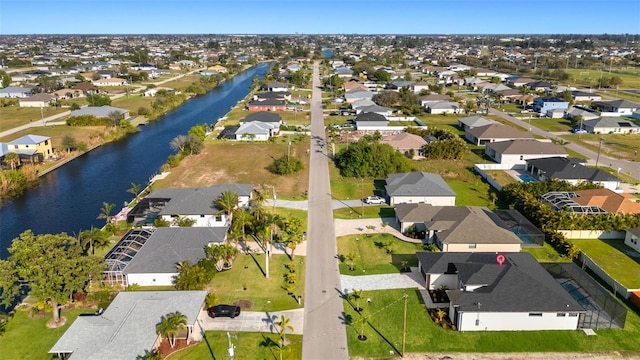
(29, 338)
(288, 212)
(133, 102)
(264, 294)
(248, 346)
(613, 257)
(552, 125)
(14, 116)
(622, 146)
(384, 332)
(501, 177)
(592, 77)
(546, 253)
(371, 257)
(370, 212)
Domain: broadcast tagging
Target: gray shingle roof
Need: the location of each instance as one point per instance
(98, 111)
(610, 122)
(569, 169)
(196, 201)
(498, 131)
(519, 285)
(369, 116)
(128, 326)
(526, 146)
(476, 121)
(417, 184)
(29, 139)
(168, 246)
(262, 116)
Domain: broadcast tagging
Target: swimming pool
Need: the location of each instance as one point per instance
(526, 177)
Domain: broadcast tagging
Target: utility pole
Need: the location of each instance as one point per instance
(599, 147)
(404, 324)
(361, 197)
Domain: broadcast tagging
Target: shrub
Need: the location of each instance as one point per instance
(286, 165)
(87, 120)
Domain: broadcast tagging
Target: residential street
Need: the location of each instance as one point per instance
(325, 334)
(625, 166)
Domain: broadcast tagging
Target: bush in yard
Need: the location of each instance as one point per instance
(286, 165)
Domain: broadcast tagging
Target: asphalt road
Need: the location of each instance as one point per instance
(325, 334)
(625, 166)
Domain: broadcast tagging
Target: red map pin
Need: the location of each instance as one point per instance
(500, 259)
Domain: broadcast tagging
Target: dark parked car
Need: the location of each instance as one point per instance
(224, 310)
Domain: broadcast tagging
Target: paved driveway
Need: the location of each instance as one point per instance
(412, 279)
(255, 321)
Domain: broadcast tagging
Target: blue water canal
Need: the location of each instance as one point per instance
(69, 199)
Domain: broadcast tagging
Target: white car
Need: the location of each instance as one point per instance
(374, 200)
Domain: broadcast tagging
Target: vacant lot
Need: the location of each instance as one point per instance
(133, 102)
(14, 116)
(248, 345)
(622, 146)
(242, 162)
(592, 77)
(371, 255)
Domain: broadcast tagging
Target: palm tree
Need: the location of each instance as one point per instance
(134, 189)
(351, 260)
(227, 202)
(90, 239)
(169, 326)
(441, 314)
(149, 355)
(356, 295)
(283, 327)
(12, 160)
(105, 211)
(292, 233)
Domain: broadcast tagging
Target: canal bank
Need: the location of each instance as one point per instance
(69, 199)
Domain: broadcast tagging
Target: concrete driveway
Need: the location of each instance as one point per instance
(255, 321)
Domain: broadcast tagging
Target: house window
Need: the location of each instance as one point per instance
(174, 216)
(521, 157)
(15, 147)
(573, 314)
(218, 218)
(201, 216)
(46, 142)
(561, 314)
(472, 246)
(535, 314)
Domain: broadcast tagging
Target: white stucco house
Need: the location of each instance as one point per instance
(418, 187)
(518, 151)
(632, 239)
(570, 170)
(484, 295)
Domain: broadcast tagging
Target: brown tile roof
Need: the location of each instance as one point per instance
(609, 201)
(404, 140)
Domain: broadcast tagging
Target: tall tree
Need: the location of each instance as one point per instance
(134, 189)
(283, 327)
(53, 265)
(169, 326)
(292, 233)
(90, 239)
(228, 202)
(105, 212)
(12, 160)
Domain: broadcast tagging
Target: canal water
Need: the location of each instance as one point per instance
(69, 199)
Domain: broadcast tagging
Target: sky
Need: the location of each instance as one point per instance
(319, 17)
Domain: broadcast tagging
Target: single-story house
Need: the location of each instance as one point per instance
(632, 239)
(483, 135)
(519, 81)
(267, 105)
(518, 151)
(607, 200)
(418, 187)
(38, 100)
(198, 204)
(370, 121)
(31, 148)
(127, 327)
(517, 294)
(272, 95)
(443, 107)
(585, 96)
(384, 111)
(458, 228)
(264, 117)
(343, 72)
(358, 95)
(110, 82)
(256, 131)
(570, 170)
(539, 86)
(15, 92)
(149, 257)
(405, 143)
(419, 86)
(615, 107)
(546, 103)
(359, 104)
(473, 122)
(572, 112)
(433, 98)
(101, 111)
(218, 69)
(276, 86)
(610, 125)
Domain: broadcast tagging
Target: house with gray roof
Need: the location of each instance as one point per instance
(152, 260)
(443, 107)
(38, 100)
(483, 135)
(198, 204)
(256, 131)
(128, 326)
(615, 107)
(418, 187)
(15, 92)
(458, 228)
(358, 95)
(101, 111)
(473, 122)
(610, 125)
(375, 108)
(370, 121)
(572, 112)
(570, 170)
(518, 151)
(515, 294)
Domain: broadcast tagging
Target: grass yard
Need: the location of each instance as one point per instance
(621, 146)
(249, 346)
(384, 332)
(29, 338)
(592, 77)
(614, 257)
(87, 134)
(501, 177)
(133, 102)
(371, 256)
(182, 83)
(552, 125)
(370, 212)
(242, 162)
(14, 116)
(264, 294)
(546, 253)
(288, 212)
